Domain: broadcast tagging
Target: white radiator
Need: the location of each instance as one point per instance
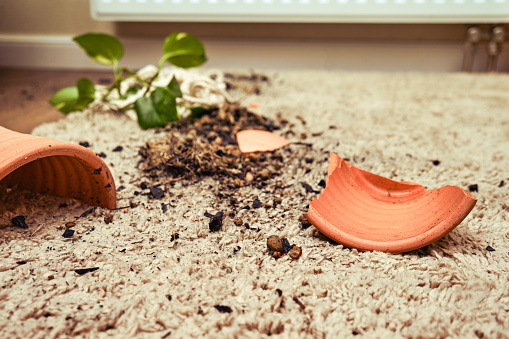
(365, 11)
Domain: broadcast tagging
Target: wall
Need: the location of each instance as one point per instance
(45, 28)
(49, 17)
(71, 17)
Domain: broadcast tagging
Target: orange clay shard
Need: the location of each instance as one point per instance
(259, 141)
(49, 166)
(363, 210)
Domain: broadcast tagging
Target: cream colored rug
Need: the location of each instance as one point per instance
(158, 271)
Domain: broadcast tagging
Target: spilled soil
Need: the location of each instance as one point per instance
(189, 151)
(207, 146)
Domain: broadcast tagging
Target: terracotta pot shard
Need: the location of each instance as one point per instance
(49, 166)
(366, 211)
(259, 141)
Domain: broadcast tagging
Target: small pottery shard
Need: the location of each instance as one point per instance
(363, 210)
(49, 166)
(259, 141)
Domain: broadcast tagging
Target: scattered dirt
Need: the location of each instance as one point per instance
(278, 247)
(247, 83)
(188, 151)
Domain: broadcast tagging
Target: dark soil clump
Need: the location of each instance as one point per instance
(207, 146)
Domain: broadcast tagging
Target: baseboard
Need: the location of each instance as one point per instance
(59, 52)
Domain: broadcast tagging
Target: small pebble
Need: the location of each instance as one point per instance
(238, 221)
(276, 254)
(223, 308)
(236, 153)
(304, 221)
(257, 203)
(295, 252)
(278, 200)
(218, 141)
(68, 233)
(249, 177)
(264, 174)
(274, 243)
(283, 121)
(308, 188)
(156, 193)
(19, 221)
(70, 224)
(216, 221)
(286, 245)
(108, 219)
(82, 271)
(238, 182)
(252, 156)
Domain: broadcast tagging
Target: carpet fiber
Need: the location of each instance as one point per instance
(161, 272)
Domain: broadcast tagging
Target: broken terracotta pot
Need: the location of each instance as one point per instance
(48, 166)
(368, 212)
(250, 141)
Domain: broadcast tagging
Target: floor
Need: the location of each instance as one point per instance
(24, 95)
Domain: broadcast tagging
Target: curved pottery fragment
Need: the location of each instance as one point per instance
(259, 141)
(48, 166)
(363, 210)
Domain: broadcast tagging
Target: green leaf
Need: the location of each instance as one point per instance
(174, 88)
(156, 110)
(102, 48)
(147, 115)
(183, 50)
(86, 88)
(74, 98)
(86, 93)
(165, 104)
(65, 100)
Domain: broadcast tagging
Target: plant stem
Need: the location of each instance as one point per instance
(126, 108)
(118, 79)
(149, 82)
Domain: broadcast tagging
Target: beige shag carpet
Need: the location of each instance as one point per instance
(162, 273)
